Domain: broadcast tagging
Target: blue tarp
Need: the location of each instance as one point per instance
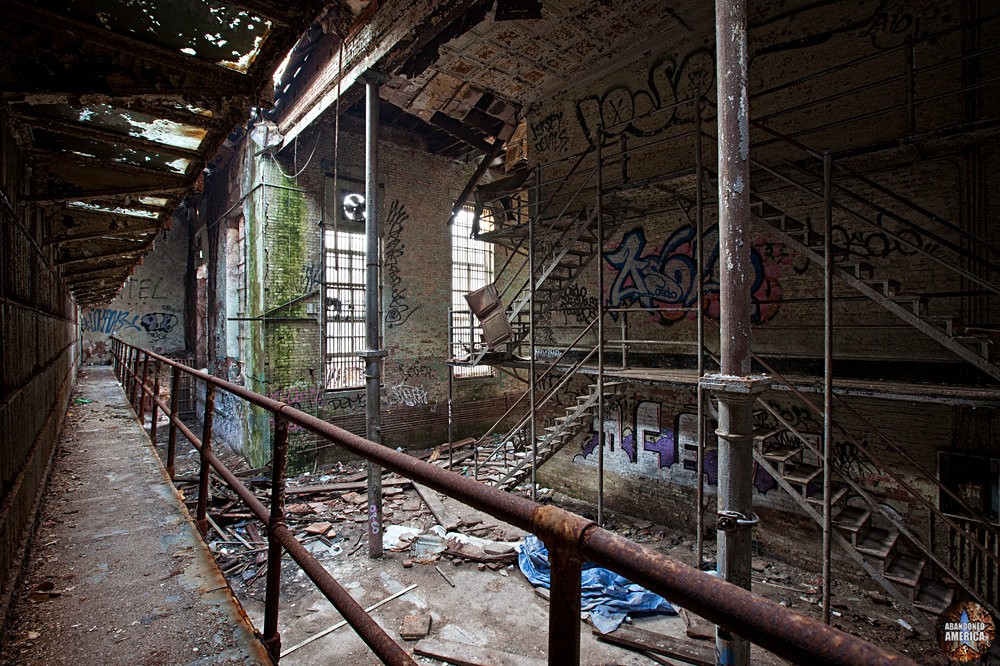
(607, 596)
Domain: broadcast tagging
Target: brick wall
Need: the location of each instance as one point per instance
(38, 336)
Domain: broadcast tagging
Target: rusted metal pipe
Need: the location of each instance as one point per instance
(774, 627)
(272, 595)
(206, 447)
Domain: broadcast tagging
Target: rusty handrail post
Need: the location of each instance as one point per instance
(114, 356)
(142, 391)
(133, 386)
(566, 569)
(279, 460)
(126, 360)
(206, 448)
(175, 386)
(153, 403)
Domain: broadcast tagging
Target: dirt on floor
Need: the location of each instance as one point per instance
(332, 522)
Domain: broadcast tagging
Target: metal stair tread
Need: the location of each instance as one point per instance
(905, 570)
(851, 518)
(782, 453)
(769, 433)
(933, 597)
(838, 494)
(877, 542)
(802, 474)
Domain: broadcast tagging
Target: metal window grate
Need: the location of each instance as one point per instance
(345, 309)
(471, 269)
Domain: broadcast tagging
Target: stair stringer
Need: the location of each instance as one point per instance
(899, 311)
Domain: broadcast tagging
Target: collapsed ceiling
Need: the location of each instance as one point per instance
(117, 105)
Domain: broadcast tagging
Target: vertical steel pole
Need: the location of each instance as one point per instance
(451, 387)
(373, 354)
(735, 407)
(827, 378)
(175, 399)
(700, 392)
(531, 362)
(153, 405)
(600, 325)
(272, 595)
(201, 519)
(564, 605)
(911, 86)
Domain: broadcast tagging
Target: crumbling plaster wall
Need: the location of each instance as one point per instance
(149, 309)
(282, 200)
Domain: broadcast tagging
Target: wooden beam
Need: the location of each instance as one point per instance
(99, 257)
(91, 133)
(153, 191)
(460, 131)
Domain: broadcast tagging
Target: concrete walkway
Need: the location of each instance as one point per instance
(118, 573)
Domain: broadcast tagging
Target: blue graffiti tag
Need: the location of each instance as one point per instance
(668, 278)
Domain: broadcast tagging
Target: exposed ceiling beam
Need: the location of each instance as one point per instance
(229, 81)
(141, 190)
(81, 131)
(113, 267)
(460, 131)
(68, 261)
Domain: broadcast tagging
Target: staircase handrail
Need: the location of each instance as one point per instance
(563, 380)
(544, 374)
(817, 155)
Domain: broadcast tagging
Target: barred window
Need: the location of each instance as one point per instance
(345, 309)
(471, 269)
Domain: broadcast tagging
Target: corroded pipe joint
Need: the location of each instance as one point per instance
(560, 529)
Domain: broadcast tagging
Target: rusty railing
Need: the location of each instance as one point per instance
(570, 538)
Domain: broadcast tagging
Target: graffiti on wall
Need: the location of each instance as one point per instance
(575, 302)
(628, 110)
(406, 394)
(647, 446)
(399, 309)
(158, 324)
(146, 289)
(666, 277)
(312, 276)
(110, 321)
(550, 133)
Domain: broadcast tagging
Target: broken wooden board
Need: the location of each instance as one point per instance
(337, 487)
(697, 626)
(445, 518)
(688, 652)
(462, 654)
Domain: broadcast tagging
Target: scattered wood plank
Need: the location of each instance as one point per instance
(445, 518)
(462, 654)
(668, 646)
(697, 626)
(338, 487)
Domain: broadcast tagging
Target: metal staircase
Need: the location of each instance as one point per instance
(888, 293)
(865, 528)
(515, 460)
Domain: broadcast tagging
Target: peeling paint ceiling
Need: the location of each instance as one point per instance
(118, 104)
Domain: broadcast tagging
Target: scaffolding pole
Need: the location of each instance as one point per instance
(600, 327)
(372, 355)
(531, 346)
(827, 377)
(735, 387)
(700, 259)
